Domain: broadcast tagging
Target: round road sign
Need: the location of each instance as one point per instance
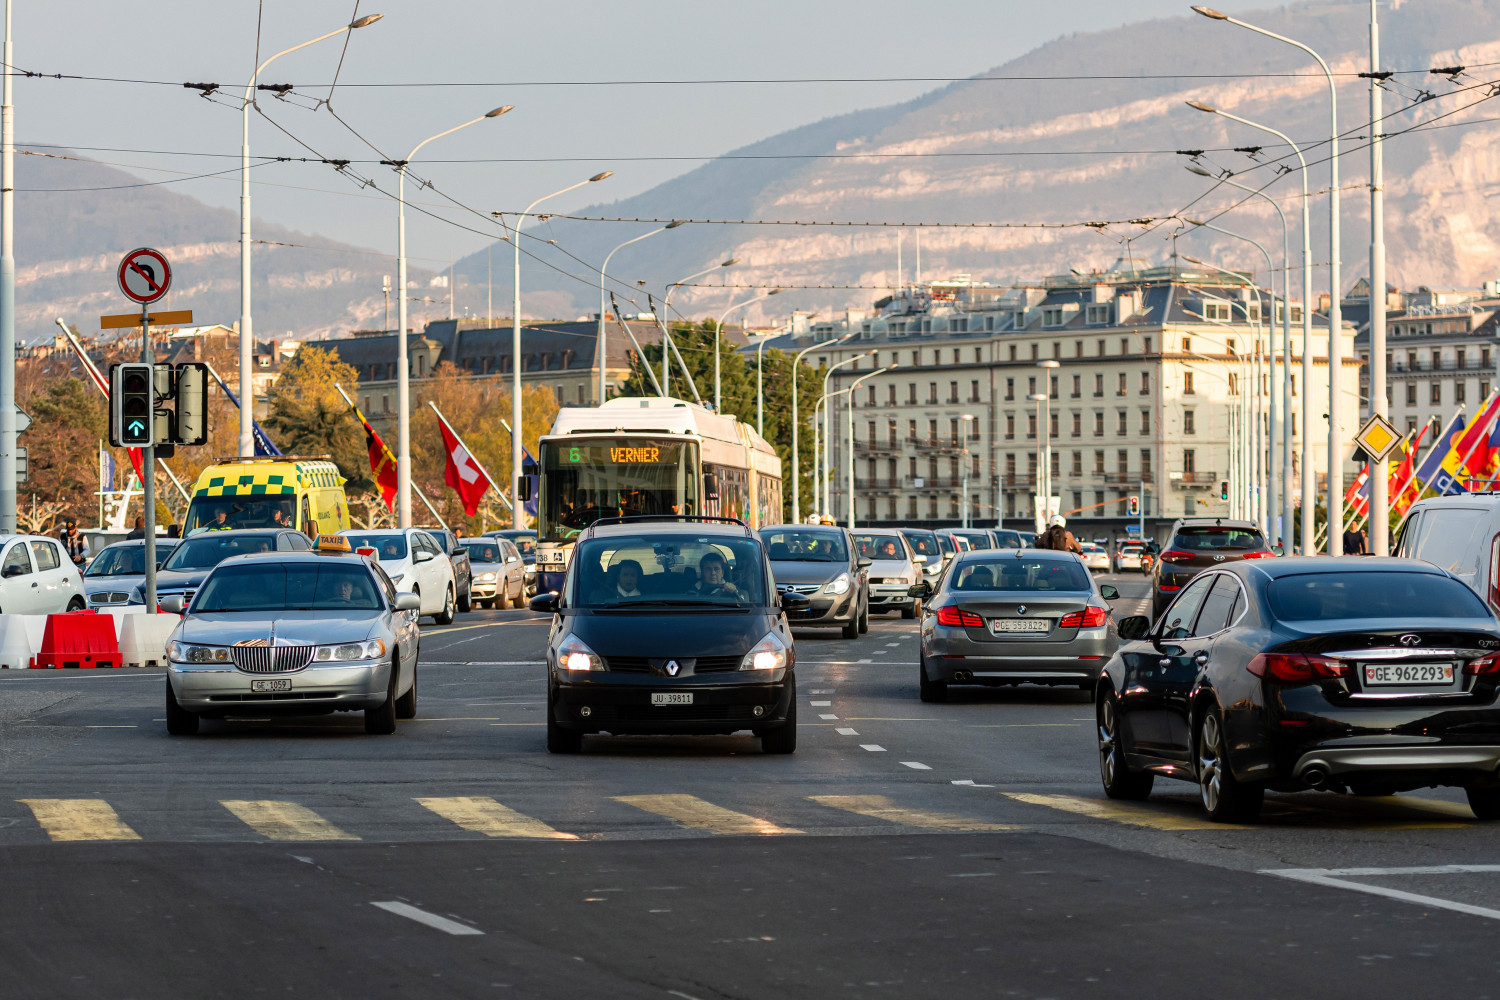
(144, 275)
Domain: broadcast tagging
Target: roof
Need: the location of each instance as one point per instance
(1300, 565)
(1055, 554)
(1213, 522)
(696, 526)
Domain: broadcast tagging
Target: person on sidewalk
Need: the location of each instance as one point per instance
(139, 531)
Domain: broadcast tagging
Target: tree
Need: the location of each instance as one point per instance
(68, 422)
(309, 417)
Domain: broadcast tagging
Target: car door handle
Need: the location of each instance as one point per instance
(1200, 657)
(1164, 662)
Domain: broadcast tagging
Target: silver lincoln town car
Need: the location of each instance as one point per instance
(285, 633)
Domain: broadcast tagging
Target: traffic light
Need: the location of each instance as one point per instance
(1223, 489)
(1135, 506)
(191, 393)
(132, 400)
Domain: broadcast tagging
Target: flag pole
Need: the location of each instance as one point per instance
(472, 457)
(1416, 467)
(419, 493)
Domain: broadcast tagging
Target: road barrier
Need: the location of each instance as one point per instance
(16, 646)
(143, 639)
(82, 639)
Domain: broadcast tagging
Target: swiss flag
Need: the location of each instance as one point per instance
(461, 471)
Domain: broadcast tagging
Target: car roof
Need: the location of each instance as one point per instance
(1298, 565)
(163, 540)
(1214, 522)
(236, 533)
(728, 529)
(297, 556)
(979, 554)
(831, 529)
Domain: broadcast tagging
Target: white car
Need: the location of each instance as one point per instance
(1095, 557)
(37, 578)
(1130, 555)
(499, 572)
(415, 562)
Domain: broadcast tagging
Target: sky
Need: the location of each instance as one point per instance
(530, 55)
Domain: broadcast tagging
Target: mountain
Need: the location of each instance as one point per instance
(930, 160)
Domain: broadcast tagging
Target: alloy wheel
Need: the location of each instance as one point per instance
(1210, 758)
(1109, 760)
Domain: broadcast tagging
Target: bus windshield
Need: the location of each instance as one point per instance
(618, 477)
(222, 513)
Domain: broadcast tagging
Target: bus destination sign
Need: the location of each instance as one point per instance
(624, 454)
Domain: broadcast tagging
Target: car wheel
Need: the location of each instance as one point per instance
(76, 604)
(502, 600)
(180, 722)
(1120, 782)
(445, 616)
(381, 721)
(406, 705)
(1225, 799)
(466, 603)
(910, 611)
(560, 740)
(851, 630)
(782, 739)
(864, 618)
(929, 690)
(1484, 801)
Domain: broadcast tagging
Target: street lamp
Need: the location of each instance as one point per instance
(247, 394)
(820, 473)
(1046, 437)
(603, 355)
(718, 329)
(849, 426)
(964, 422)
(796, 425)
(665, 322)
(1308, 480)
(518, 510)
(403, 362)
(1335, 310)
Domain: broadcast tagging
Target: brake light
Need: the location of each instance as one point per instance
(1296, 668)
(1267, 554)
(955, 618)
(1175, 555)
(1168, 589)
(1087, 618)
(1487, 664)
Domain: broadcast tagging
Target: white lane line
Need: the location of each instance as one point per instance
(878, 652)
(916, 765)
(864, 661)
(892, 645)
(823, 691)
(827, 717)
(969, 783)
(430, 919)
(1325, 876)
(872, 747)
(846, 732)
(820, 704)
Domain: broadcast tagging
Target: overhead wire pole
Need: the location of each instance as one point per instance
(665, 322)
(821, 488)
(247, 341)
(603, 352)
(7, 294)
(1380, 501)
(718, 330)
(797, 422)
(849, 425)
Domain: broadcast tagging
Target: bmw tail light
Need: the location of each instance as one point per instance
(1087, 618)
(954, 618)
(1487, 664)
(1267, 554)
(1296, 668)
(1175, 555)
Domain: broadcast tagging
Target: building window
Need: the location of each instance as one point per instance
(1098, 423)
(1122, 462)
(1077, 424)
(1145, 421)
(1234, 384)
(1216, 311)
(1053, 387)
(1077, 386)
(932, 433)
(1145, 383)
(1010, 390)
(1145, 345)
(1098, 462)
(1010, 465)
(1436, 390)
(1098, 314)
(1189, 460)
(1053, 428)
(953, 430)
(1034, 354)
(1098, 385)
(1031, 386)
(890, 395)
(952, 392)
(978, 355)
(385, 404)
(1120, 423)
(1120, 387)
(870, 395)
(932, 393)
(932, 511)
(1187, 423)
(1145, 463)
(1459, 356)
(1077, 463)
(973, 391)
(1012, 352)
(1460, 392)
(1187, 383)
(1101, 348)
(1052, 317)
(1031, 425)
(1010, 426)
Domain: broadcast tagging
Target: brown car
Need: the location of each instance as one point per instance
(1197, 544)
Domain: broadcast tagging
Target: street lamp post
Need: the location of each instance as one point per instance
(1046, 435)
(719, 329)
(820, 474)
(964, 422)
(1308, 479)
(666, 315)
(603, 354)
(403, 362)
(849, 428)
(796, 421)
(247, 341)
(1335, 310)
(518, 510)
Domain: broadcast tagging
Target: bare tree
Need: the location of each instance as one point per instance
(39, 518)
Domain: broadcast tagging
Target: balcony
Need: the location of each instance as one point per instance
(943, 444)
(877, 485)
(886, 447)
(1198, 479)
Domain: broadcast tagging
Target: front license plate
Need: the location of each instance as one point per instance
(674, 698)
(275, 684)
(1003, 625)
(1378, 674)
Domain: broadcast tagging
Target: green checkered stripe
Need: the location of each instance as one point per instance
(247, 484)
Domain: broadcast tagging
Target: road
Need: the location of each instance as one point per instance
(960, 849)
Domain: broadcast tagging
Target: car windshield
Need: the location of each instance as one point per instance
(483, 552)
(668, 569)
(923, 543)
(783, 545)
(881, 546)
(207, 551)
(1019, 574)
(260, 510)
(334, 585)
(124, 560)
(945, 543)
(1216, 538)
(525, 544)
(388, 545)
(1317, 596)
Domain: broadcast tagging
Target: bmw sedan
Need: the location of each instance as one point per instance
(304, 633)
(1012, 616)
(1373, 676)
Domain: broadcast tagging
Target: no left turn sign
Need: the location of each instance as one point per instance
(145, 275)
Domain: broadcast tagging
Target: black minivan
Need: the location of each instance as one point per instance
(670, 625)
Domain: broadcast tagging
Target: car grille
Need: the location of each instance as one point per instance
(702, 665)
(682, 713)
(113, 597)
(271, 659)
(186, 595)
(799, 588)
(628, 664)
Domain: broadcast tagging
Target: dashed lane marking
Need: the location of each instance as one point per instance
(695, 813)
(881, 807)
(823, 691)
(79, 819)
(846, 732)
(872, 747)
(277, 820)
(482, 814)
(430, 919)
(916, 765)
(1119, 813)
(826, 717)
(820, 704)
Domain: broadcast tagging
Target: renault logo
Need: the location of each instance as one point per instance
(1410, 640)
(673, 668)
(1021, 610)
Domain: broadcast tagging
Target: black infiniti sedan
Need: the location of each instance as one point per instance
(1373, 676)
(670, 626)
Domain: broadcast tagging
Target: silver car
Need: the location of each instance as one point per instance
(119, 569)
(294, 633)
(499, 572)
(894, 567)
(1012, 616)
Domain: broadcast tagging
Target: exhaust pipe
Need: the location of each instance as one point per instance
(1315, 776)
(960, 676)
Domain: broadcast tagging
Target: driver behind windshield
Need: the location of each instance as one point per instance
(711, 582)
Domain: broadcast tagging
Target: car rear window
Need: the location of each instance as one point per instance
(812, 545)
(387, 545)
(923, 543)
(1019, 574)
(1319, 596)
(1210, 538)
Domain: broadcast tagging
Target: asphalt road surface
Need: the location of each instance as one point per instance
(905, 850)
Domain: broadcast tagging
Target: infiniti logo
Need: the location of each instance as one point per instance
(1410, 640)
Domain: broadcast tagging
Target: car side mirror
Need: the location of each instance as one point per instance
(159, 562)
(865, 563)
(421, 556)
(1108, 592)
(171, 605)
(919, 590)
(1134, 627)
(918, 560)
(407, 601)
(544, 603)
(792, 601)
(11, 571)
(512, 559)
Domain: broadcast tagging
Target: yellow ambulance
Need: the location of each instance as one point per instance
(284, 492)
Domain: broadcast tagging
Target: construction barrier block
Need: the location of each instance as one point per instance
(143, 639)
(16, 646)
(118, 613)
(79, 639)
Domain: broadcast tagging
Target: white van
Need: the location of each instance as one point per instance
(1460, 534)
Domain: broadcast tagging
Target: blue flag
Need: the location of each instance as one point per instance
(532, 471)
(1431, 474)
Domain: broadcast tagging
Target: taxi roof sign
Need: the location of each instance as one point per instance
(332, 543)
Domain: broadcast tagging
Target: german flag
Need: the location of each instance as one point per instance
(382, 462)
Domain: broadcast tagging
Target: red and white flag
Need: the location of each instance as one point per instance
(461, 471)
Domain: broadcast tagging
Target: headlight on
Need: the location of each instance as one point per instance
(486, 578)
(768, 654)
(839, 586)
(345, 651)
(181, 652)
(574, 654)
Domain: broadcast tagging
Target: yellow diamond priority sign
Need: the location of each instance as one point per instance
(1377, 437)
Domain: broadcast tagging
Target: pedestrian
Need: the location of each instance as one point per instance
(75, 544)
(1354, 541)
(174, 531)
(139, 531)
(1057, 536)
